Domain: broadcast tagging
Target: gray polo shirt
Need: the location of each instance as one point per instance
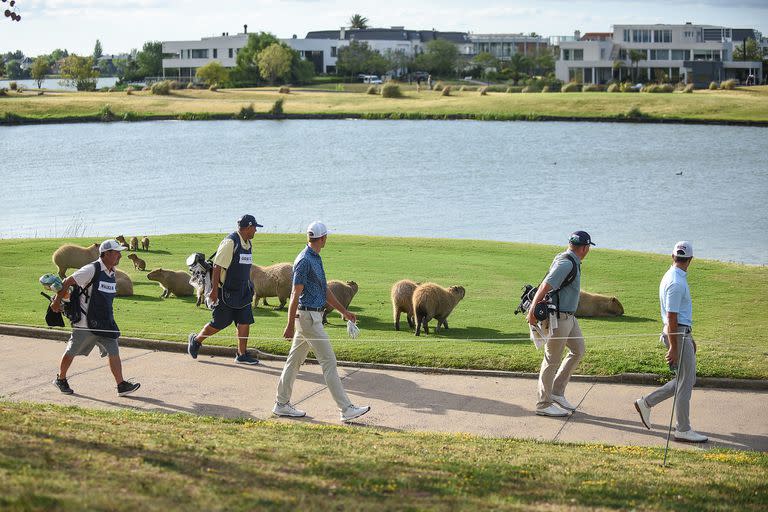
(558, 271)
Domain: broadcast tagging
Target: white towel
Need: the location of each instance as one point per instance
(543, 331)
(352, 329)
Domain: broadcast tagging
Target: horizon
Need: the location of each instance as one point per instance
(121, 26)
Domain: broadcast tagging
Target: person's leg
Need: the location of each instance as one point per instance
(116, 366)
(296, 356)
(207, 331)
(687, 376)
(242, 338)
(664, 392)
(575, 344)
(321, 346)
(553, 351)
(66, 362)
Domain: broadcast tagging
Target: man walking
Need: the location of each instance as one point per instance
(677, 316)
(96, 325)
(305, 326)
(231, 290)
(562, 283)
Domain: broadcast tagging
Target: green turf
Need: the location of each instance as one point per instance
(729, 319)
(71, 459)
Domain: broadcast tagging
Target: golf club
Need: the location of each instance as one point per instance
(674, 398)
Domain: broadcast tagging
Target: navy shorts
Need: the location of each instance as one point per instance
(224, 315)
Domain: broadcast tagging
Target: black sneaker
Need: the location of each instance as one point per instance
(246, 359)
(193, 346)
(126, 388)
(63, 385)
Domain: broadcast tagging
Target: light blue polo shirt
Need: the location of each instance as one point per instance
(675, 296)
(558, 271)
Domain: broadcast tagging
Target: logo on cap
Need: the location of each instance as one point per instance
(580, 238)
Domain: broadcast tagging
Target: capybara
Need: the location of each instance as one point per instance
(344, 292)
(73, 256)
(172, 282)
(402, 302)
(124, 284)
(433, 301)
(138, 263)
(134, 243)
(145, 243)
(121, 240)
(272, 281)
(592, 304)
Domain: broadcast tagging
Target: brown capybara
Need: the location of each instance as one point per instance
(145, 243)
(138, 263)
(344, 292)
(402, 302)
(73, 256)
(433, 301)
(121, 240)
(133, 244)
(272, 281)
(172, 282)
(124, 284)
(593, 304)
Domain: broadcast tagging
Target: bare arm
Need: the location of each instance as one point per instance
(544, 289)
(215, 283)
(672, 337)
(331, 299)
(293, 306)
(56, 303)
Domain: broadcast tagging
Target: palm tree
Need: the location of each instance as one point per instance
(636, 56)
(358, 21)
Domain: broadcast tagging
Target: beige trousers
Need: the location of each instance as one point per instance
(310, 335)
(553, 376)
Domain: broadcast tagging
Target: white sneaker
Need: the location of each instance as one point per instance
(644, 411)
(562, 402)
(553, 410)
(353, 412)
(287, 410)
(689, 436)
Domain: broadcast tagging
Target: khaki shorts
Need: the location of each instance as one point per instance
(81, 343)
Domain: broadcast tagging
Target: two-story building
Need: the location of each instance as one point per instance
(504, 46)
(687, 53)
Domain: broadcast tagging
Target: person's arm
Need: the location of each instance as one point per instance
(331, 299)
(56, 303)
(672, 337)
(544, 289)
(293, 306)
(213, 296)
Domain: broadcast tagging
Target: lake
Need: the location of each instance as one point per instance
(632, 186)
(56, 84)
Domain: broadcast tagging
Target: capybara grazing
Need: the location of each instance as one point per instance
(433, 301)
(73, 256)
(134, 244)
(124, 284)
(272, 281)
(145, 243)
(592, 304)
(138, 263)
(172, 282)
(121, 240)
(402, 302)
(344, 292)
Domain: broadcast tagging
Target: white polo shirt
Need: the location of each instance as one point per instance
(82, 277)
(675, 296)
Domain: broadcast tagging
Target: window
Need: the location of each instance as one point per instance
(641, 36)
(662, 36)
(680, 54)
(688, 34)
(199, 54)
(578, 54)
(622, 54)
(659, 54)
(602, 53)
(626, 35)
(566, 54)
(230, 53)
(576, 75)
(333, 51)
(215, 53)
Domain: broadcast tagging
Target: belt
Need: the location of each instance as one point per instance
(566, 313)
(307, 308)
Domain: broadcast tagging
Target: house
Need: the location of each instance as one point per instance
(504, 46)
(689, 53)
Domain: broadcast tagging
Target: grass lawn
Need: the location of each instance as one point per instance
(729, 302)
(66, 458)
(744, 104)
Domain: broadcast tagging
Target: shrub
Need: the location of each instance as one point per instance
(131, 116)
(591, 88)
(161, 88)
(514, 89)
(446, 90)
(247, 112)
(284, 90)
(496, 88)
(729, 84)
(372, 90)
(546, 89)
(571, 87)
(277, 108)
(713, 86)
(635, 113)
(106, 114)
(173, 84)
(530, 88)
(614, 88)
(214, 87)
(190, 85)
(654, 88)
(390, 90)
(129, 90)
(438, 86)
(13, 86)
(688, 88)
(146, 88)
(483, 91)
(627, 87)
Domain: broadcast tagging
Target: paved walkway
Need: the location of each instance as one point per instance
(402, 401)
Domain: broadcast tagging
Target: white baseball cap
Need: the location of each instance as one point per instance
(317, 230)
(110, 245)
(683, 249)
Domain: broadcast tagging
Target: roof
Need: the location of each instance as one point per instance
(389, 34)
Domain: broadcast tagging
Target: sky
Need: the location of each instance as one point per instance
(122, 25)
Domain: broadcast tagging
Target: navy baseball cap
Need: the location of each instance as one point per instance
(580, 238)
(247, 221)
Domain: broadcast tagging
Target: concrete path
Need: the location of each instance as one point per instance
(407, 401)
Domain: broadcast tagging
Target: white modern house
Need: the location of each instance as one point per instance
(504, 46)
(681, 53)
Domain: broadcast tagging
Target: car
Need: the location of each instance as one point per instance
(372, 79)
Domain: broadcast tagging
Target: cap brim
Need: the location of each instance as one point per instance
(119, 248)
(258, 225)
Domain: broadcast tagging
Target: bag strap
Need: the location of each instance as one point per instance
(567, 281)
(90, 283)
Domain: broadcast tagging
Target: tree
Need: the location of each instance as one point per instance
(97, 51)
(39, 69)
(484, 61)
(520, 64)
(618, 65)
(635, 56)
(747, 50)
(246, 72)
(58, 53)
(545, 63)
(150, 59)
(358, 21)
(441, 57)
(357, 58)
(78, 71)
(212, 73)
(13, 69)
(274, 62)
